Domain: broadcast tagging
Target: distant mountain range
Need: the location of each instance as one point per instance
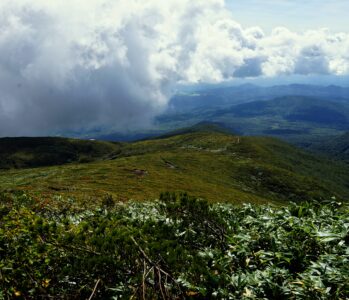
(305, 115)
(225, 96)
(297, 119)
(294, 109)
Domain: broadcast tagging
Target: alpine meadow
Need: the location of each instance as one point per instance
(174, 149)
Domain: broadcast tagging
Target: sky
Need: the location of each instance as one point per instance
(297, 15)
(80, 65)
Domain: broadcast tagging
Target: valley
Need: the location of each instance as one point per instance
(303, 115)
(174, 150)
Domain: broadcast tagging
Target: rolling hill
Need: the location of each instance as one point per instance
(47, 151)
(206, 163)
(335, 147)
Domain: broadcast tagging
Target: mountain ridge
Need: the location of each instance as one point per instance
(212, 165)
(225, 96)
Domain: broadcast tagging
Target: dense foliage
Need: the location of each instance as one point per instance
(176, 247)
(336, 147)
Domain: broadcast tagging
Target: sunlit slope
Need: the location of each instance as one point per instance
(209, 164)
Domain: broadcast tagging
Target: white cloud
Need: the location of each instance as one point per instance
(81, 64)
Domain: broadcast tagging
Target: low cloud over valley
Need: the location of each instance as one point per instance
(115, 63)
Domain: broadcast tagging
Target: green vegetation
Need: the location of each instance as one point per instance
(48, 151)
(335, 147)
(199, 127)
(69, 231)
(207, 163)
(176, 247)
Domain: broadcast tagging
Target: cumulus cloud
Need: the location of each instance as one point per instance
(87, 64)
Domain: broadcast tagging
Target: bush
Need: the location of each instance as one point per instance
(177, 247)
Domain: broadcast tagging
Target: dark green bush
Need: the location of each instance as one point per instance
(177, 247)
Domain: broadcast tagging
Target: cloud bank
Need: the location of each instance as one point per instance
(87, 64)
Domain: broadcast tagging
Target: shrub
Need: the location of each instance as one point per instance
(176, 247)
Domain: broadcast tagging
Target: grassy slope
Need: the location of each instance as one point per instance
(213, 165)
(47, 151)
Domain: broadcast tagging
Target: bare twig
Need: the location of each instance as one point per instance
(162, 292)
(158, 271)
(149, 261)
(94, 290)
(143, 280)
(70, 247)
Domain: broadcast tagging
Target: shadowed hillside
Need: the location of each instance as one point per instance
(48, 151)
(337, 147)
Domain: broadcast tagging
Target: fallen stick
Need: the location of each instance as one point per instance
(94, 290)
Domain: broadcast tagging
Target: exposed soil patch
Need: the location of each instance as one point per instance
(169, 164)
(58, 188)
(139, 172)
